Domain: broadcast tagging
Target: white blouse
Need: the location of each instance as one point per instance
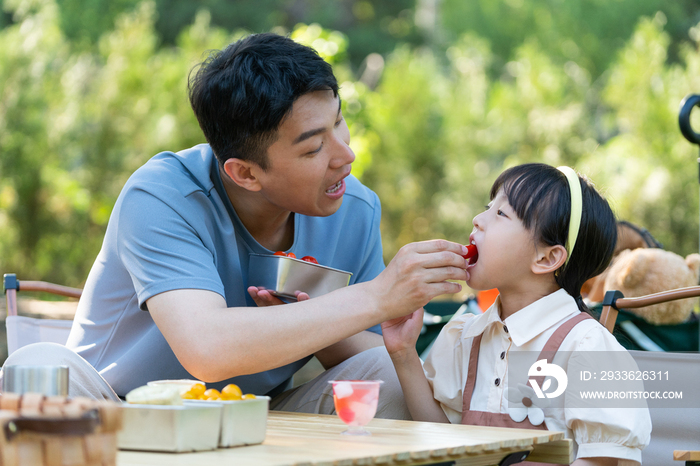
(597, 431)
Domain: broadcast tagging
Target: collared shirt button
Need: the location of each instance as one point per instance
(503, 355)
(505, 329)
(497, 382)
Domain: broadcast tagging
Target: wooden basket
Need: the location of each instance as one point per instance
(57, 431)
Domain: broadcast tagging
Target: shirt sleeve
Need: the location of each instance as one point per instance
(603, 427)
(161, 248)
(445, 367)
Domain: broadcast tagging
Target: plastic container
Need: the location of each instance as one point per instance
(243, 422)
(173, 428)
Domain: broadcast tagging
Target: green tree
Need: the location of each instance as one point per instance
(74, 126)
(648, 168)
(588, 32)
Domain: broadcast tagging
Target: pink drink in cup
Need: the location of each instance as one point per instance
(356, 403)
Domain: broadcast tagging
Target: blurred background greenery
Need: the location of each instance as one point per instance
(440, 97)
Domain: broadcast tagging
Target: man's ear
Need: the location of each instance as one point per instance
(549, 259)
(243, 173)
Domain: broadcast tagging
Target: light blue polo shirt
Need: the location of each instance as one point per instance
(173, 227)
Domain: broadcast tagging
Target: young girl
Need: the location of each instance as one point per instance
(543, 234)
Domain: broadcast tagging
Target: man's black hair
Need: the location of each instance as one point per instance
(241, 94)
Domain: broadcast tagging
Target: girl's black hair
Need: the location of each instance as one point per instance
(541, 198)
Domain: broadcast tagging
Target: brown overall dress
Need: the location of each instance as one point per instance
(482, 418)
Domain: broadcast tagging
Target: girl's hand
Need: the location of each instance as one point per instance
(263, 297)
(401, 334)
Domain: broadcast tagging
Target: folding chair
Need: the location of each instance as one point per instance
(672, 428)
(23, 330)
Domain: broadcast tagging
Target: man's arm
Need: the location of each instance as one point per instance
(214, 342)
(334, 354)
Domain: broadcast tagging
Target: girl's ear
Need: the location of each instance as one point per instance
(243, 173)
(549, 259)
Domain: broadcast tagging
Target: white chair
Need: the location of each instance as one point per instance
(22, 330)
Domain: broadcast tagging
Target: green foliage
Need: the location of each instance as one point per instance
(74, 126)
(585, 31)
(372, 26)
(431, 126)
(649, 169)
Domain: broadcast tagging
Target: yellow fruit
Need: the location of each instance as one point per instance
(197, 389)
(212, 394)
(231, 392)
(248, 396)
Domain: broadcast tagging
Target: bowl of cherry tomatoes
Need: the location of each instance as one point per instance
(283, 274)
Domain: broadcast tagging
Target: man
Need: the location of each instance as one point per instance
(168, 296)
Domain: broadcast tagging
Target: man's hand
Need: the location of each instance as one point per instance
(418, 273)
(263, 297)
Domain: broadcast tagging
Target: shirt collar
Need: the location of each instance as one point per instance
(482, 321)
(544, 313)
(530, 321)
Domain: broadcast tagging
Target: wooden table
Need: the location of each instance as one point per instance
(691, 458)
(310, 439)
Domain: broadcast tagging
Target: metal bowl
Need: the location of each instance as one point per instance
(47, 380)
(282, 276)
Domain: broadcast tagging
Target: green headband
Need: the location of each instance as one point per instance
(576, 209)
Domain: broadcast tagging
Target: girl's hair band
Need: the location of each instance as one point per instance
(576, 209)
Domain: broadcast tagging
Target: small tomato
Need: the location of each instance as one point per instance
(472, 253)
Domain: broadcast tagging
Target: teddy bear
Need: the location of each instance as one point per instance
(629, 236)
(644, 271)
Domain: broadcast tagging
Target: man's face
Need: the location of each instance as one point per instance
(310, 158)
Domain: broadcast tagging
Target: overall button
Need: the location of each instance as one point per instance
(503, 355)
(497, 382)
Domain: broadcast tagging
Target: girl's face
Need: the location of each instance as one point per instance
(506, 248)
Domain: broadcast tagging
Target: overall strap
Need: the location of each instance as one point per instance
(552, 346)
(471, 373)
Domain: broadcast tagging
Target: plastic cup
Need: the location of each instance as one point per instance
(356, 403)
